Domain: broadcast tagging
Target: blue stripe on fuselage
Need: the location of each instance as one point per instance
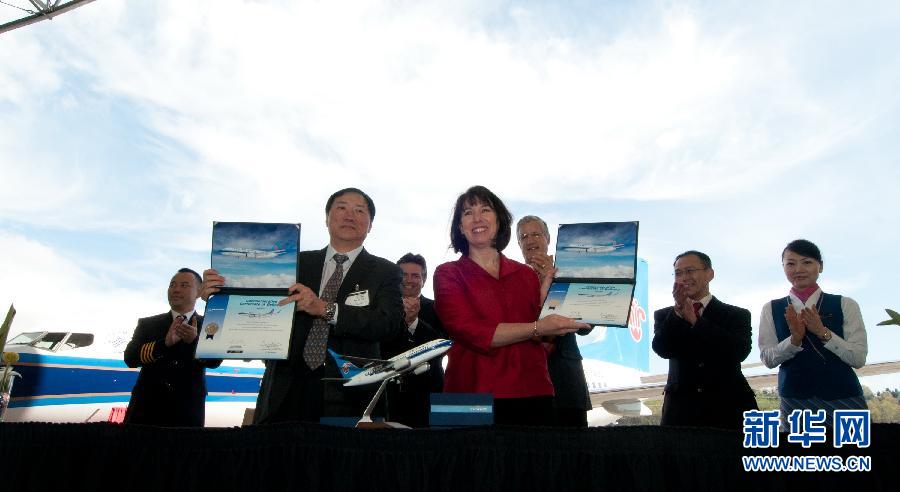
(101, 379)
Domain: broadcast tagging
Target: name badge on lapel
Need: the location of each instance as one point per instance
(359, 298)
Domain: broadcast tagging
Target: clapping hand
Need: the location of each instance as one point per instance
(796, 324)
(411, 306)
(187, 332)
(813, 321)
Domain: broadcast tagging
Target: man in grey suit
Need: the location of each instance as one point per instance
(571, 400)
(345, 298)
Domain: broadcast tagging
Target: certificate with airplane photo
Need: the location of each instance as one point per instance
(595, 278)
(239, 326)
(259, 263)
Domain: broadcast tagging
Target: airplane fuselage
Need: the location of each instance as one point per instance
(80, 386)
(402, 363)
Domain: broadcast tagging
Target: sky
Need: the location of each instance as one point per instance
(127, 128)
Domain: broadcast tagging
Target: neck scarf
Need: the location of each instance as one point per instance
(803, 294)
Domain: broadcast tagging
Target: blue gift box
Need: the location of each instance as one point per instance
(461, 409)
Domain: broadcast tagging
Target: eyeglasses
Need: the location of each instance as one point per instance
(526, 235)
(687, 272)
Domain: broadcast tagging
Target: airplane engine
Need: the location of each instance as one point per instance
(401, 364)
(421, 369)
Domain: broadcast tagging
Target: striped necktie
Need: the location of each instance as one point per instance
(317, 341)
(698, 306)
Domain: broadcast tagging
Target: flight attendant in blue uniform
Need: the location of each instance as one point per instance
(816, 339)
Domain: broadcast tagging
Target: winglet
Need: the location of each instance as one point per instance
(347, 368)
(894, 320)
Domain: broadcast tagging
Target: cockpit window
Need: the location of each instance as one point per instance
(76, 340)
(49, 341)
(25, 338)
(53, 341)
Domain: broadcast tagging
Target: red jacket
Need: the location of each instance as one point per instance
(471, 303)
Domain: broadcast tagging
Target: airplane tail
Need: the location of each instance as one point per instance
(629, 347)
(347, 368)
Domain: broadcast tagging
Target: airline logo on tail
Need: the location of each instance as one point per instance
(637, 318)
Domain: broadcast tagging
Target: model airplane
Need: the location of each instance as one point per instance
(894, 318)
(414, 360)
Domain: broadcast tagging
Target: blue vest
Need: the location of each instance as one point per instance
(815, 371)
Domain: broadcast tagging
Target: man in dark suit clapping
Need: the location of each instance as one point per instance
(705, 341)
(409, 399)
(171, 388)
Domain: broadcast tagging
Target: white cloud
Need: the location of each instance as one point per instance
(269, 95)
(145, 121)
(52, 292)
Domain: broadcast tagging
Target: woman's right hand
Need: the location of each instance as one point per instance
(795, 324)
(211, 283)
(555, 324)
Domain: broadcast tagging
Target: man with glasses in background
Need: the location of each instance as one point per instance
(571, 401)
(705, 341)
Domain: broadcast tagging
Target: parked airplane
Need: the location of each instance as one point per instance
(594, 248)
(82, 377)
(414, 360)
(615, 360)
(251, 253)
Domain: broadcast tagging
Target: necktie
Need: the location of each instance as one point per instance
(697, 307)
(317, 341)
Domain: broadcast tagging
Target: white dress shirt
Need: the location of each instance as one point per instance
(330, 267)
(852, 348)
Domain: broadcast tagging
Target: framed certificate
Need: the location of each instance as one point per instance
(243, 320)
(595, 276)
(238, 326)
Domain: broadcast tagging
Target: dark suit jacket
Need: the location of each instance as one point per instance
(358, 332)
(705, 386)
(409, 399)
(567, 374)
(171, 388)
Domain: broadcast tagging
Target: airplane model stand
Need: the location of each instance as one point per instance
(366, 421)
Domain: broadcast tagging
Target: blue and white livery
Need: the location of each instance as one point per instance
(414, 360)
